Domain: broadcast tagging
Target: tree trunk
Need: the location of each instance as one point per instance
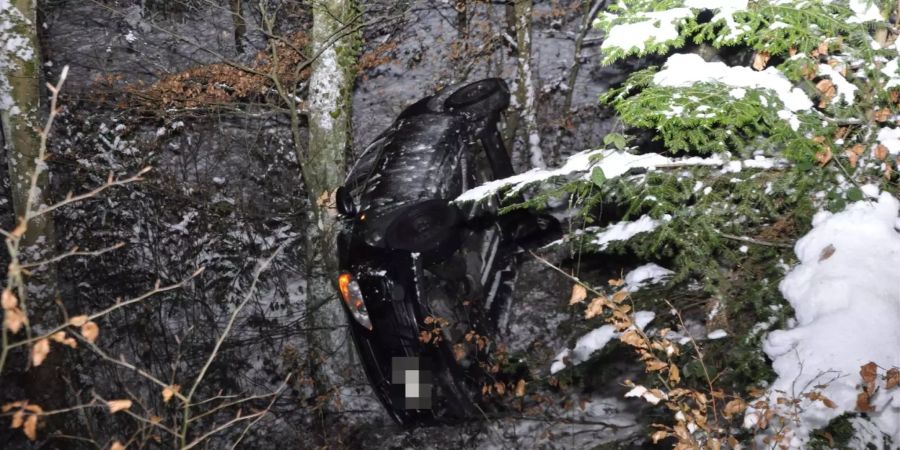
(240, 24)
(526, 91)
(330, 90)
(22, 118)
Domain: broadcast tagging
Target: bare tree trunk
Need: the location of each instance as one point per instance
(330, 90)
(240, 24)
(22, 119)
(526, 91)
(593, 7)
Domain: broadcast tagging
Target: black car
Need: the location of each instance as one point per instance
(421, 277)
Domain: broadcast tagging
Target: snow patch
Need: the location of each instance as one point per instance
(647, 274)
(656, 27)
(846, 299)
(595, 341)
(614, 163)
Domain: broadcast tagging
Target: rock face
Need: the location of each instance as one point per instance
(224, 193)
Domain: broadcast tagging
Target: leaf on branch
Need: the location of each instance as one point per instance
(9, 300)
(674, 374)
(616, 282)
(78, 321)
(869, 373)
(60, 337)
(633, 338)
(760, 59)
(118, 405)
(520, 388)
(595, 308)
(116, 446)
(655, 365)
(14, 319)
(90, 331)
(881, 114)
(18, 419)
(169, 391)
(39, 351)
(579, 294)
(30, 428)
(620, 296)
(852, 157)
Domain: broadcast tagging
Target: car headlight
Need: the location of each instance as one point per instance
(353, 298)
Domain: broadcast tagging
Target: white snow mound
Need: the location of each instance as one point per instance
(846, 296)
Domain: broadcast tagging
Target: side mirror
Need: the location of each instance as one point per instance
(344, 201)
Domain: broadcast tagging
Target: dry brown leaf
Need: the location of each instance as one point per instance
(869, 373)
(18, 419)
(33, 408)
(9, 300)
(169, 391)
(39, 351)
(862, 402)
(90, 331)
(858, 149)
(760, 59)
(674, 374)
(595, 308)
(500, 388)
(828, 91)
(116, 446)
(520, 388)
(579, 294)
(659, 435)
(822, 48)
(78, 320)
(655, 365)
(824, 156)
(118, 405)
(614, 282)
(30, 428)
(852, 157)
(735, 407)
(633, 338)
(620, 296)
(826, 252)
(713, 444)
(881, 114)
(7, 407)
(892, 378)
(880, 152)
(14, 319)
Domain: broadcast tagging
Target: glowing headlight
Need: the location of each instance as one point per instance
(353, 298)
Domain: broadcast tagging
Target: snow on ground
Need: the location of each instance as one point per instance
(846, 298)
(594, 341)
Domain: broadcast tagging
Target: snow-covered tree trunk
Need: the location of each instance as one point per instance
(330, 89)
(21, 115)
(526, 91)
